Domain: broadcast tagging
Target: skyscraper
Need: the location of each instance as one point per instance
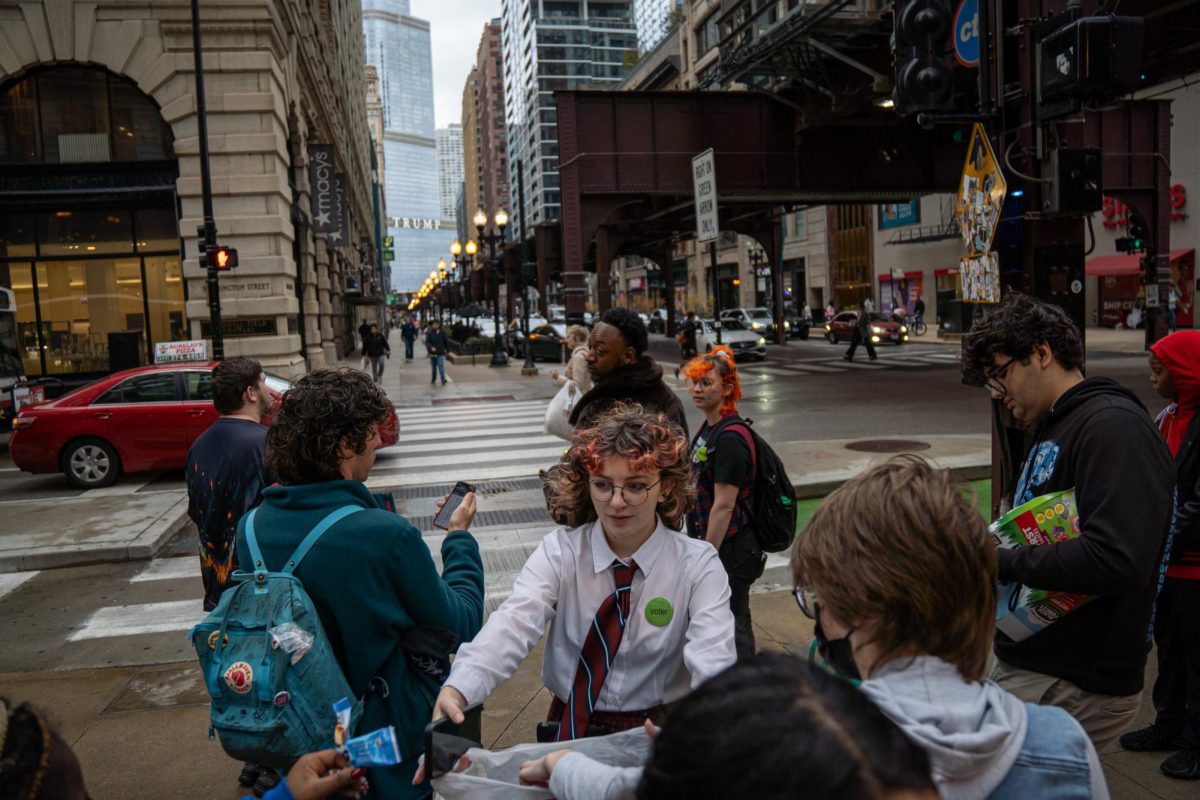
(653, 20)
(450, 169)
(398, 45)
(548, 46)
(472, 196)
(493, 139)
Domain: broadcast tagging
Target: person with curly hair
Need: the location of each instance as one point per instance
(371, 576)
(1094, 436)
(623, 373)
(723, 469)
(639, 613)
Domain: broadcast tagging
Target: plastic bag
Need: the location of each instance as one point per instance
(558, 412)
(292, 639)
(493, 775)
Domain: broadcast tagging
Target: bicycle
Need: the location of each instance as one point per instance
(918, 327)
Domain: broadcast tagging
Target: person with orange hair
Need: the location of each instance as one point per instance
(723, 468)
(639, 613)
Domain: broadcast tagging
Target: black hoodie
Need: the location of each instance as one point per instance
(639, 382)
(1099, 440)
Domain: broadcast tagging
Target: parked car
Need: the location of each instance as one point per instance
(841, 327)
(131, 421)
(758, 320)
(516, 341)
(548, 341)
(742, 342)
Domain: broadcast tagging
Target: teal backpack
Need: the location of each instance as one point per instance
(269, 707)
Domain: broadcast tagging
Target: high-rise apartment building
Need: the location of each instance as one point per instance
(493, 137)
(472, 196)
(548, 46)
(450, 169)
(652, 19)
(397, 44)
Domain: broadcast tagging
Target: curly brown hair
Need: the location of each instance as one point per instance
(324, 411)
(899, 545)
(1013, 329)
(648, 440)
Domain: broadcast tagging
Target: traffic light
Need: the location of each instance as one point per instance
(921, 44)
(1135, 242)
(223, 258)
(1149, 270)
(1087, 59)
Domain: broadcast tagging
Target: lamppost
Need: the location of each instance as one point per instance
(434, 279)
(462, 258)
(493, 242)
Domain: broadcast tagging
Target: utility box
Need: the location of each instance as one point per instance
(1077, 187)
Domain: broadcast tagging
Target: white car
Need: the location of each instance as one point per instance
(742, 342)
(759, 320)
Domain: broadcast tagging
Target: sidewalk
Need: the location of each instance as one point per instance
(142, 732)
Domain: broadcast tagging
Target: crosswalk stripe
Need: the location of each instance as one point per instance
(479, 419)
(11, 580)
(129, 620)
(859, 365)
(485, 457)
(169, 569)
(382, 480)
(474, 408)
(476, 443)
(409, 437)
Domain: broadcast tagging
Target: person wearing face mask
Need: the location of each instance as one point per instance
(638, 613)
(623, 373)
(1175, 375)
(1094, 436)
(897, 571)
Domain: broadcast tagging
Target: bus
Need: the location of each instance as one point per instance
(12, 368)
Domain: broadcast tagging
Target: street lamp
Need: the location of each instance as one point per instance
(493, 242)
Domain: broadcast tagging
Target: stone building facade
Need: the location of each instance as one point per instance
(280, 76)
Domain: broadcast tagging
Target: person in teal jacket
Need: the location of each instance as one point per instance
(371, 577)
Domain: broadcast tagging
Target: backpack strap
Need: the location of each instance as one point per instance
(737, 424)
(315, 534)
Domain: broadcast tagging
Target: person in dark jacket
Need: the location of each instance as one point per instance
(371, 577)
(364, 331)
(1094, 436)
(861, 335)
(1175, 374)
(375, 348)
(623, 373)
(436, 345)
(408, 332)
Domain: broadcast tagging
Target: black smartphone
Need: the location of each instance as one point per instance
(446, 742)
(461, 490)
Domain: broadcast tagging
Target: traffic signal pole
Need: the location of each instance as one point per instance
(209, 238)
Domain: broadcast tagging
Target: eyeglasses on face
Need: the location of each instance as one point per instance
(994, 380)
(806, 600)
(634, 493)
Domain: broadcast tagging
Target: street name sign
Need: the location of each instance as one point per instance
(704, 185)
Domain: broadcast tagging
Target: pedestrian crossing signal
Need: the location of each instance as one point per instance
(224, 258)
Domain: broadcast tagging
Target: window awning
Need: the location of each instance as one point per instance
(1123, 263)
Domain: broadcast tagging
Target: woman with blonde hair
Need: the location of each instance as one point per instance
(577, 371)
(639, 613)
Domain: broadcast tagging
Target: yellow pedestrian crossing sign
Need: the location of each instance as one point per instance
(981, 193)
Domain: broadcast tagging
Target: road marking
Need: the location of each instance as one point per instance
(11, 580)
(474, 419)
(123, 488)
(176, 616)
(442, 436)
(820, 368)
(485, 457)
(859, 365)
(449, 412)
(169, 569)
(524, 441)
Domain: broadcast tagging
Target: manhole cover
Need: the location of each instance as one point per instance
(888, 446)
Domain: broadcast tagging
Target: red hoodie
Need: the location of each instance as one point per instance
(1180, 354)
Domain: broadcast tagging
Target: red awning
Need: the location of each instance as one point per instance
(1123, 264)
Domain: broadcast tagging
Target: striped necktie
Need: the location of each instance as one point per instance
(599, 650)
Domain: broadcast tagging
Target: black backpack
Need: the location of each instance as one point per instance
(772, 498)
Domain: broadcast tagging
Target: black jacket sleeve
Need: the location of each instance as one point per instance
(1124, 477)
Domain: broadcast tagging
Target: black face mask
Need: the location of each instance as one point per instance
(838, 653)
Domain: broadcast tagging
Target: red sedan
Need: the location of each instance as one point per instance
(842, 326)
(131, 421)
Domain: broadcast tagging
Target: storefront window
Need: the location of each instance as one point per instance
(20, 279)
(82, 233)
(83, 305)
(156, 230)
(164, 289)
(16, 236)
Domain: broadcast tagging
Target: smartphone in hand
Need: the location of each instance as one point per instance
(461, 490)
(446, 743)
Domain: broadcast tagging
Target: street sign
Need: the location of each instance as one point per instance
(389, 242)
(389, 254)
(966, 33)
(167, 352)
(704, 185)
(981, 193)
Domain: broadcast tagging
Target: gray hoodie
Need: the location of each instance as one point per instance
(972, 732)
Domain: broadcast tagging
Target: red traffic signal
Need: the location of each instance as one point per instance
(223, 258)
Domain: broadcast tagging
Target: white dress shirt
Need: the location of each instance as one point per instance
(565, 581)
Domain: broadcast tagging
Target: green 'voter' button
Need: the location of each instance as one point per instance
(659, 611)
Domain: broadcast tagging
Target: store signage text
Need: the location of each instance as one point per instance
(1116, 213)
(166, 352)
(412, 223)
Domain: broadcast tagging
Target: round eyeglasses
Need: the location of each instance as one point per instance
(634, 493)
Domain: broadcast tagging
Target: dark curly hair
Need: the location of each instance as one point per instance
(632, 329)
(230, 380)
(323, 411)
(647, 440)
(34, 759)
(1012, 330)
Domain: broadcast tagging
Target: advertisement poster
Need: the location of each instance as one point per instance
(897, 215)
(980, 278)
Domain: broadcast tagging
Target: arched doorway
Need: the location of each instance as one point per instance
(89, 237)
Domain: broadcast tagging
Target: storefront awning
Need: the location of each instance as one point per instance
(1123, 264)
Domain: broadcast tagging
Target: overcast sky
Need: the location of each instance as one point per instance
(455, 28)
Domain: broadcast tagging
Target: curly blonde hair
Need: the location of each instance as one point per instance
(647, 440)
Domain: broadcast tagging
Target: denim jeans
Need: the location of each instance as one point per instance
(437, 364)
(377, 367)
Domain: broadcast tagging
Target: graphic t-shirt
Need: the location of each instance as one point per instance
(226, 474)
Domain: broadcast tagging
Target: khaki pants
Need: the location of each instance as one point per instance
(1104, 717)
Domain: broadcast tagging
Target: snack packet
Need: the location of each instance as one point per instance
(375, 749)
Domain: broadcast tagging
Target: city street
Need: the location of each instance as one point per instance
(109, 639)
